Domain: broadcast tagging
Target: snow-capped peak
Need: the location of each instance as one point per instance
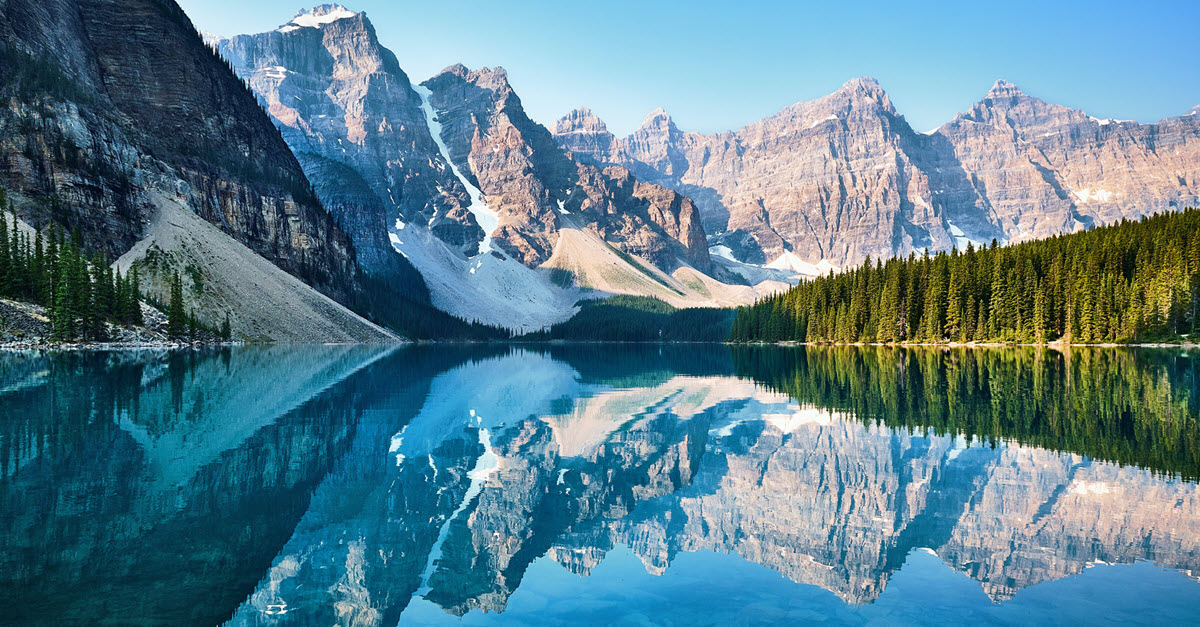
(1107, 121)
(317, 17)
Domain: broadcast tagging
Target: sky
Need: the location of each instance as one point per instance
(717, 66)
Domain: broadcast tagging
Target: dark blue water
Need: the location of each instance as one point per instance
(675, 485)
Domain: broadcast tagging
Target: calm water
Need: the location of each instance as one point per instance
(378, 486)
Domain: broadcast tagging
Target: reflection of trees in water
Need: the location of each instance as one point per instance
(54, 401)
(1131, 406)
(151, 486)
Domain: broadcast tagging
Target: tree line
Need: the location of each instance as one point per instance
(625, 318)
(80, 290)
(1131, 281)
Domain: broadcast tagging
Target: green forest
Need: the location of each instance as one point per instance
(80, 291)
(1128, 282)
(638, 319)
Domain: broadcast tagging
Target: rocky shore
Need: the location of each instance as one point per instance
(25, 326)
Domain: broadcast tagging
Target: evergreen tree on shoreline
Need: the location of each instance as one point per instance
(80, 290)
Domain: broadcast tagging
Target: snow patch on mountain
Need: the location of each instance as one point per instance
(317, 17)
(490, 288)
(1090, 195)
(211, 39)
(765, 280)
(961, 239)
(790, 261)
(1107, 121)
(828, 118)
(487, 218)
(724, 252)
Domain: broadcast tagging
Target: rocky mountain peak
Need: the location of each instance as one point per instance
(657, 116)
(1195, 111)
(495, 79)
(584, 135)
(317, 17)
(863, 89)
(657, 123)
(1006, 105)
(865, 84)
(581, 120)
(1003, 89)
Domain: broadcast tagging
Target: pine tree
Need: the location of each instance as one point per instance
(889, 307)
(176, 318)
(6, 278)
(135, 298)
(64, 325)
(1040, 314)
(955, 313)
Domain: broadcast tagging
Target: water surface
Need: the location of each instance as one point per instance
(617, 485)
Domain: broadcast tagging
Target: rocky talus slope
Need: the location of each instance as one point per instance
(845, 176)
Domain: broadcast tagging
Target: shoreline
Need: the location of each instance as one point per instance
(1057, 345)
(11, 347)
(18, 347)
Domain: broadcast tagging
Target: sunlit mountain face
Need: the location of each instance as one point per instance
(373, 485)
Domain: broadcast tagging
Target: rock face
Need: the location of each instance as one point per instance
(1043, 169)
(845, 176)
(350, 114)
(110, 104)
(529, 182)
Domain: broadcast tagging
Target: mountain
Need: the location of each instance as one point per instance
(120, 124)
(502, 225)
(845, 176)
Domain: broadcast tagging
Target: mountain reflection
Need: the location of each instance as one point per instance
(352, 485)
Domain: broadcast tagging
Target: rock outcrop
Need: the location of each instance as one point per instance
(111, 104)
(530, 183)
(349, 112)
(844, 176)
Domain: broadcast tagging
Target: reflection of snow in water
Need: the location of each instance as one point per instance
(485, 466)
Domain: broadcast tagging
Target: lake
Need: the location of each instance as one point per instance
(628, 485)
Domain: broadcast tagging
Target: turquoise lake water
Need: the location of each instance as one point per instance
(624, 485)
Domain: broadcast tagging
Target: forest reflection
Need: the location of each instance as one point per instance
(1130, 406)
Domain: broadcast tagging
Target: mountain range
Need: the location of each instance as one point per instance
(300, 182)
(844, 177)
(504, 226)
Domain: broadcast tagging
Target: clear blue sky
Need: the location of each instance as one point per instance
(719, 65)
